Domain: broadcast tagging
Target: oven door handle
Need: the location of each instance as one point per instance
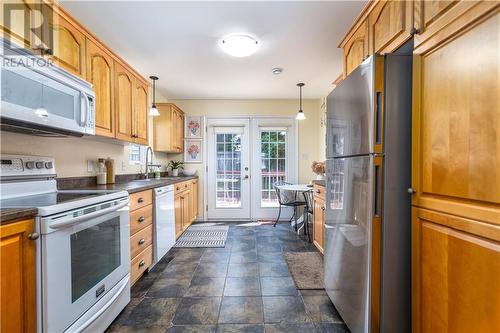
(101, 310)
(74, 220)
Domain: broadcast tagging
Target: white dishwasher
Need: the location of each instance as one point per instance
(164, 222)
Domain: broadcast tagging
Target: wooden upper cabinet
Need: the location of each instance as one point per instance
(13, 22)
(124, 102)
(141, 113)
(17, 278)
(356, 48)
(68, 45)
(390, 25)
(100, 74)
(169, 129)
(456, 112)
(455, 275)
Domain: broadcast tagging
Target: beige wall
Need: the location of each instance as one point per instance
(308, 130)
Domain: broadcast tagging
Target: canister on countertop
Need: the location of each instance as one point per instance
(101, 172)
(110, 170)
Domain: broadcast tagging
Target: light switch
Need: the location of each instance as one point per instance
(90, 166)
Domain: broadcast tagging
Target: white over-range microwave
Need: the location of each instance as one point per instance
(38, 97)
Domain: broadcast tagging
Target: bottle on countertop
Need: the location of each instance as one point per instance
(101, 172)
(110, 170)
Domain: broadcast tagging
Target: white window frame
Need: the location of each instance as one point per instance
(142, 154)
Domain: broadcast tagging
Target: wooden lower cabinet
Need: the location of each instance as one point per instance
(17, 277)
(141, 233)
(185, 203)
(319, 217)
(455, 274)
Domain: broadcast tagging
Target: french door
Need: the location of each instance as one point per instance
(245, 158)
(228, 166)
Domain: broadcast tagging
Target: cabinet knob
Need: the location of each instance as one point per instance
(142, 263)
(318, 191)
(411, 191)
(141, 219)
(33, 236)
(415, 31)
(140, 200)
(323, 208)
(142, 241)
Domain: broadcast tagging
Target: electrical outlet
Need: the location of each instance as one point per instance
(90, 166)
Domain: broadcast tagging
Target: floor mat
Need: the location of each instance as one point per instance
(203, 235)
(306, 269)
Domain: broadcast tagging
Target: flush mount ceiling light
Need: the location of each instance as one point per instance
(239, 45)
(300, 114)
(153, 112)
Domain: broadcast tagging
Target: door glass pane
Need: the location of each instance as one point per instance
(228, 171)
(273, 164)
(95, 253)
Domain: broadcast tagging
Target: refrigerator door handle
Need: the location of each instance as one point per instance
(377, 175)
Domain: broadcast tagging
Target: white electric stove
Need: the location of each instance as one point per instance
(83, 252)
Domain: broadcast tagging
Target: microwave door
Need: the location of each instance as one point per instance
(30, 97)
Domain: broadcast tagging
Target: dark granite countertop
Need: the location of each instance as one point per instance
(9, 215)
(131, 186)
(319, 182)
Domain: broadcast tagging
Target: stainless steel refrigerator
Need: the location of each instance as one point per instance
(367, 219)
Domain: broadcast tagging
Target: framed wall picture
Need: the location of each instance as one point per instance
(193, 151)
(193, 127)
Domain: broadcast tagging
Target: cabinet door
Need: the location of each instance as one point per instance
(68, 45)
(15, 15)
(356, 48)
(124, 104)
(390, 25)
(17, 278)
(194, 200)
(100, 74)
(141, 113)
(455, 274)
(456, 112)
(162, 128)
(178, 131)
(437, 20)
(178, 215)
(186, 209)
(318, 222)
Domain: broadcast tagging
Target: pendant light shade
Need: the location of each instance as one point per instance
(153, 112)
(300, 115)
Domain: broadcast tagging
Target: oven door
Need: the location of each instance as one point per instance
(82, 259)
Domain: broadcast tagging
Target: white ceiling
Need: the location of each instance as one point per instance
(177, 41)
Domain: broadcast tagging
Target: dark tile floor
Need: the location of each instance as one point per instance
(244, 287)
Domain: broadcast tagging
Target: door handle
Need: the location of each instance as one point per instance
(411, 191)
(246, 177)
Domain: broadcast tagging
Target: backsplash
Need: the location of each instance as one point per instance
(71, 153)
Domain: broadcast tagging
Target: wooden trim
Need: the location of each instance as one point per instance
(362, 16)
(415, 272)
(338, 79)
(376, 250)
(379, 85)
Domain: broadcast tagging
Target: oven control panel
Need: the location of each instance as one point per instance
(26, 166)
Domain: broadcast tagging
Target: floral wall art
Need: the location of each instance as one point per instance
(193, 127)
(193, 151)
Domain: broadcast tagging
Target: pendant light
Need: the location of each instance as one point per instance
(153, 112)
(300, 114)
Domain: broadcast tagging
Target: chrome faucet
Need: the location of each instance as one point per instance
(150, 164)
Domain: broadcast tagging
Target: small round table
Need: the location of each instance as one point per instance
(298, 188)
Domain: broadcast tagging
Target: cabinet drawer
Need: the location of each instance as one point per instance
(141, 218)
(140, 199)
(180, 187)
(141, 240)
(140, 264)
(319, 191)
